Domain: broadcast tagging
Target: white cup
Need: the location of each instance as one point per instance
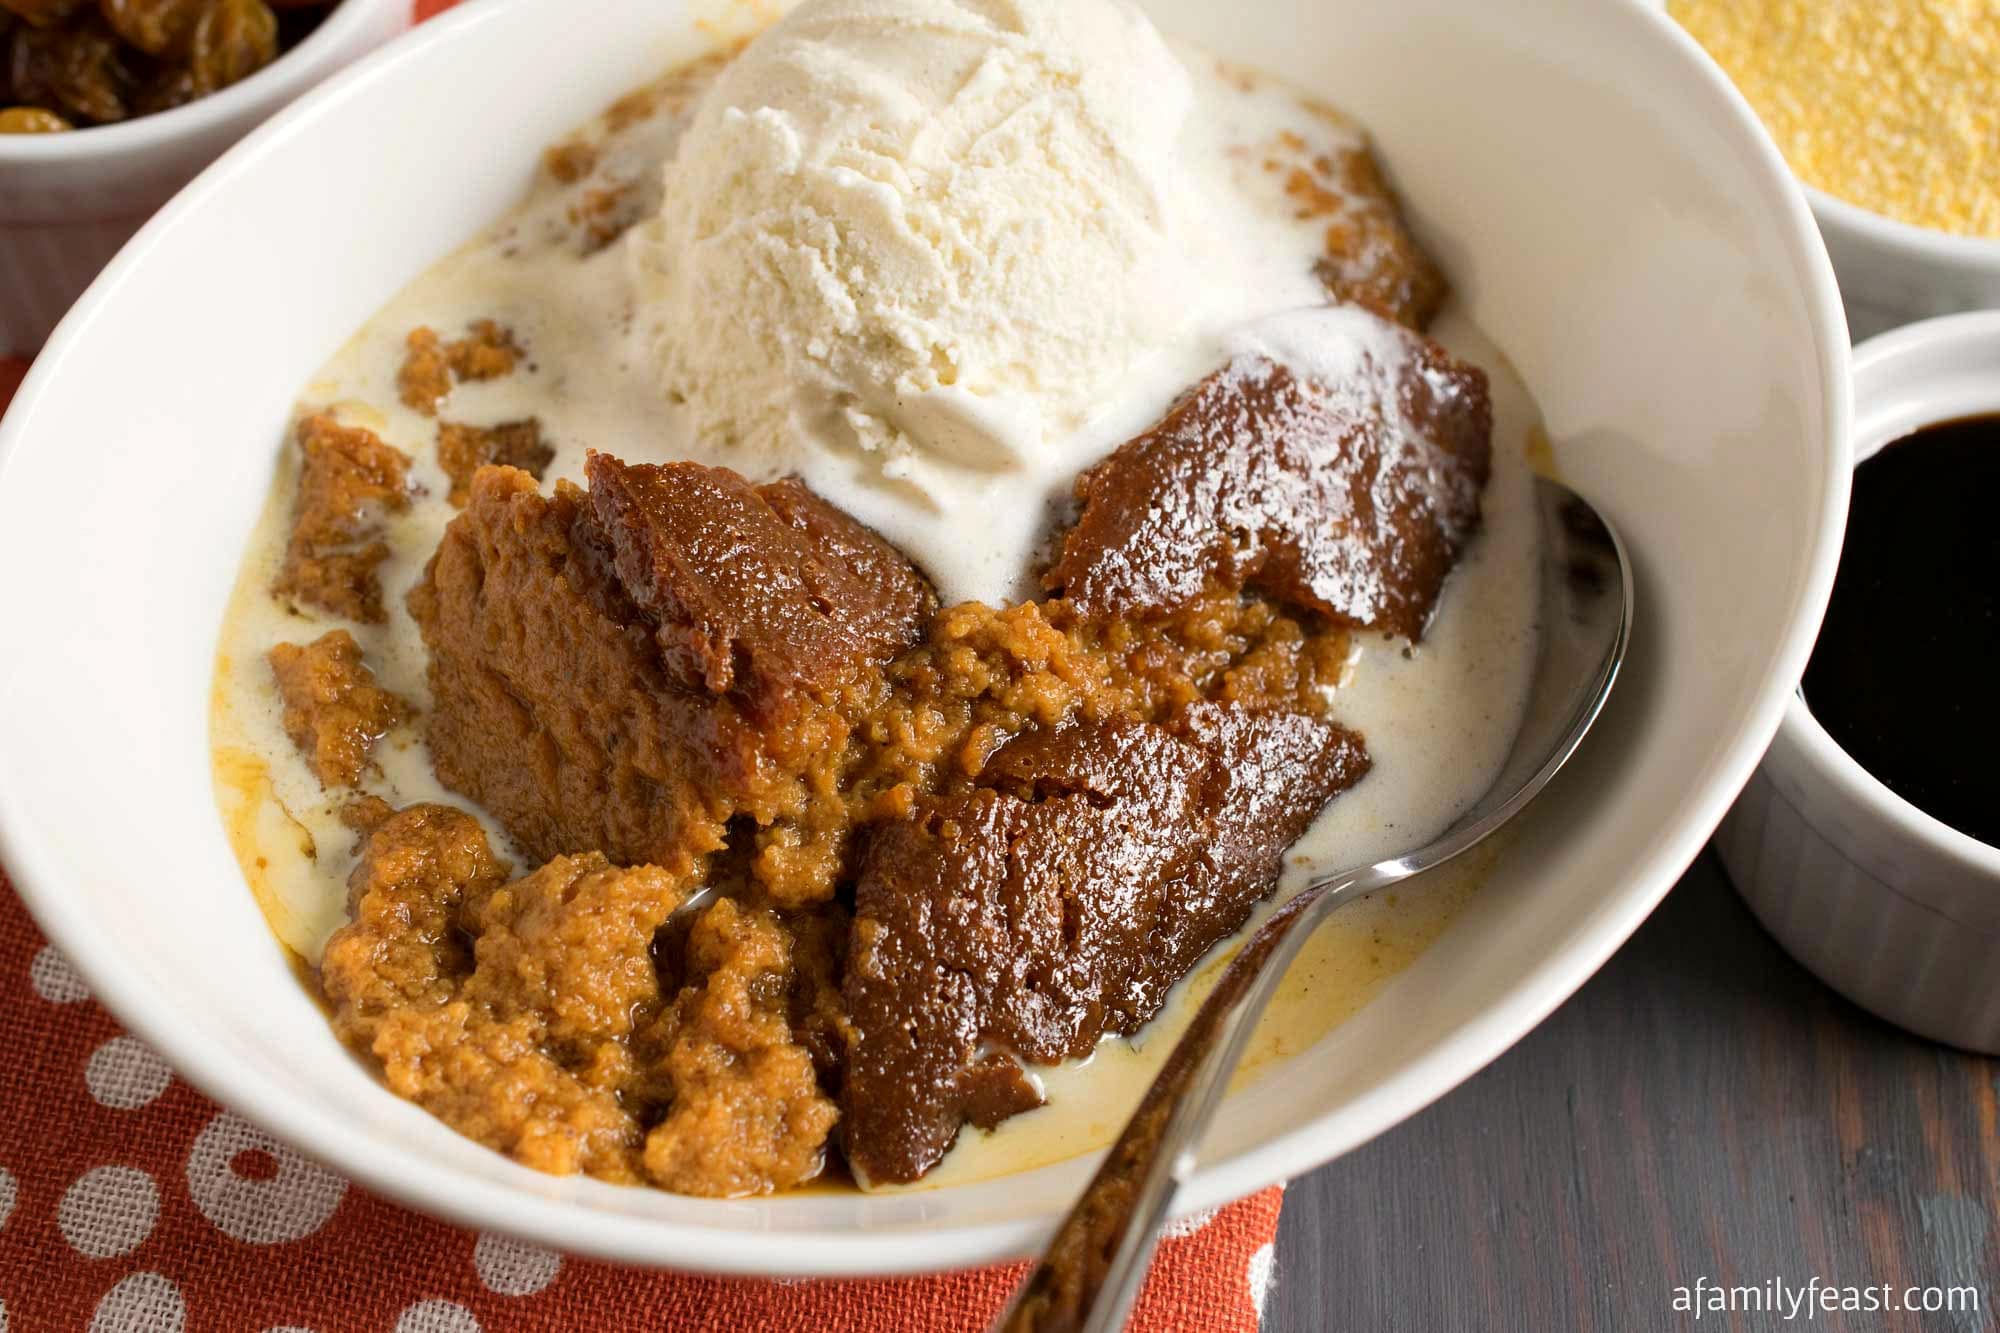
(1890, 906)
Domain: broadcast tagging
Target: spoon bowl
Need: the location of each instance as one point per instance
(1092, 1269)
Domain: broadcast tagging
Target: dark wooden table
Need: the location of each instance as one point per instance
(1703, 1108)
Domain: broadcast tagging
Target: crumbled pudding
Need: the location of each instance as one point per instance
(736, 776)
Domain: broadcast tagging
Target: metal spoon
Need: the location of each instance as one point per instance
(1093, 1268)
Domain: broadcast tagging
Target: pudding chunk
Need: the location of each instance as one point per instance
(462, 450)
(334, 710)
(747, 1115)
(627, 670)
(535, 1015)
(759, 592)
(348, 480)
(432, 366)
(1350, 500)
(1326, 172)
(1017, 921)
(1372, 258)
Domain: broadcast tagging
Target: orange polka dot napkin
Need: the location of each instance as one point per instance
(129, 1203)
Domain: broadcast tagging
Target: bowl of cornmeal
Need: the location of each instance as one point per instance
(1886, 111)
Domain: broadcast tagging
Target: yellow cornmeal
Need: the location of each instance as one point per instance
(1888, 104)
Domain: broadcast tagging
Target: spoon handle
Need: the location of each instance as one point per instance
(1092, 1270)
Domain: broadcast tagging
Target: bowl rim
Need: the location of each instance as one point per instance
(503, 1206)
(1896, 359)
(1904, 238)
(140, 134)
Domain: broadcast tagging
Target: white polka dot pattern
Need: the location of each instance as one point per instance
(124, 1074)
(437, 1317)
(142, 1303)
(54, 979)
(108, 1211)
(9, 1193)
(514, 1268)
(1263, 1268)
(291, 1205)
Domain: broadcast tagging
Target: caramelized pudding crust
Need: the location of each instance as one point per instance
(765, 594)
(1341, 502)
(624, 687)
(515, 614)
(1057, 900)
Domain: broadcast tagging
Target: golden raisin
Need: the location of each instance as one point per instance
(157, 27)
(169, 87)
(78, 72)
(232, 40)
(31, 120)
(43, 13)
(93, 62)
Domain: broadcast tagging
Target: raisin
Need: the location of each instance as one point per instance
(157, 27)
(30, 120)
(96, 61)
(232, 40)
(168, 88)
(77, 71)
(44, 13)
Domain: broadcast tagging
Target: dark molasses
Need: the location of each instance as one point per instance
(1906, 674)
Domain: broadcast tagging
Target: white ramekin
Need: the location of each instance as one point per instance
(1891, 907)
(68, 201)
(1892, 273)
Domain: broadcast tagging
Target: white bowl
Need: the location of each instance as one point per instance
(1893, 273)
(1609, 210)
(68, 201)
(1895, 909)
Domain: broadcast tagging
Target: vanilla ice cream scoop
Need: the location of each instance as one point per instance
(923, 229)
